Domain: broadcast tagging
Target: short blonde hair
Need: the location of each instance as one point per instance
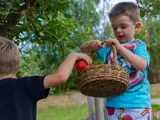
(129, 9)
(9, 57)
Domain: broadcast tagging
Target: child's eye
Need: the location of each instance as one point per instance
(114, 28)
(123, 27)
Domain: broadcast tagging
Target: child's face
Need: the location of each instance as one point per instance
(124, 28)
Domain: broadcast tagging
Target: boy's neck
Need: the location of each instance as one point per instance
(8, 76)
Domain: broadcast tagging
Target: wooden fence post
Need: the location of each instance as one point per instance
(90, 108)
(96, 110)
(99, 107)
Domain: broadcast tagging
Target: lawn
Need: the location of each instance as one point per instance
(73, 112)
(155, 91)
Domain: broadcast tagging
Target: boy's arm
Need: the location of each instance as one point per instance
(64, 70)
(91, 46)
(135, 60)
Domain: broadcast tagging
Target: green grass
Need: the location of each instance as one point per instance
(155, 90)
(156, 108)
(156, 112)
(63, 113)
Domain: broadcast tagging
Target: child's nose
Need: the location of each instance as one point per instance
(119, 30)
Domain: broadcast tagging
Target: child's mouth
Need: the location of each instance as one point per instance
(121, 36)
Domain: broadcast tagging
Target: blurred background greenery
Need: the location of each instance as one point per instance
(47, 30)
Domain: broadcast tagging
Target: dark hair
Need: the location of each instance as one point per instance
(129, 9)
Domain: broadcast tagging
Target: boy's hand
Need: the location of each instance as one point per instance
(112, 41)
(91, 46)
(83, 56)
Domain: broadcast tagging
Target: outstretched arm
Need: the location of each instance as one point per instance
(65, 70)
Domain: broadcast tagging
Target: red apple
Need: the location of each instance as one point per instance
(80, 65)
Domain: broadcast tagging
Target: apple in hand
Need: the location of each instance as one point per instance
(80, 65)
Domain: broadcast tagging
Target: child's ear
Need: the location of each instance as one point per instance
(138, 25)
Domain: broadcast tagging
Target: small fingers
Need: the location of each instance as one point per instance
(88, 60)
(104, 43)
(97, 45)
(85, 57)
(101, 45)
(109, 42)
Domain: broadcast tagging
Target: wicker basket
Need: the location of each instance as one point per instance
(104, 80)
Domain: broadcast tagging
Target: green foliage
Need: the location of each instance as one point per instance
(151, 32)
(59, 22)
(155, 57)
(152, 38)
(149, 7)
(97, 62)
(35, 61)
(52, 32)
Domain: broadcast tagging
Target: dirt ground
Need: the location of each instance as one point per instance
(69, 98)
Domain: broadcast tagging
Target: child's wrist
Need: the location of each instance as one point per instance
(73, 55)
(119, 48)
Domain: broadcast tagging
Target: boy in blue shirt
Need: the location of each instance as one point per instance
(135, 103)
(19, 96)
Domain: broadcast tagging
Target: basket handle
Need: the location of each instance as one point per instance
(116, 65)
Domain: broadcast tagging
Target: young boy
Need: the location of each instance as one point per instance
(135, 103)
(19, 96)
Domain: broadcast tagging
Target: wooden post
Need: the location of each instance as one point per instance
(90, 108)
(99, 106)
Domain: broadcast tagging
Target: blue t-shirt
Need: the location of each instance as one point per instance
(138, 93)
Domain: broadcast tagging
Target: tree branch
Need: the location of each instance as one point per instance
(13, 18)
